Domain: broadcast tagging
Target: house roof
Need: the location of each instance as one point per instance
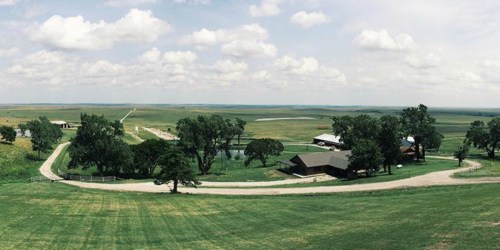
(337, 159)
(328, 137)
(58, 122)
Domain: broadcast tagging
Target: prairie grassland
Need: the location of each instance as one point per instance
(16, 163)
(52, 215)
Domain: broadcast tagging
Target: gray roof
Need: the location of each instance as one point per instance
(337, 159)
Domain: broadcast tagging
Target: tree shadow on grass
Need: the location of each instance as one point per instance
(33, 157)
(6, 143)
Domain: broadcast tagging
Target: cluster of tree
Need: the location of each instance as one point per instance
(43, 134)
(261, 149)
(99, 143)
(377, 141)
(484, 136)
(8, 134)
(205, 137)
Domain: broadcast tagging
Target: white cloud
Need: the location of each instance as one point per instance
(137, 26)
(205, 38)
(121, 3)
(429, 60)
(8, 2)
(302, 66)
(179, 57)
(9, 52)
(228, 66)
(382, 40)
(266, 8)
(244, 48)
(308, 20)
(151, 56)
(203, 2)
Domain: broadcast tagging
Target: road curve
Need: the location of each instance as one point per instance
(439, 178)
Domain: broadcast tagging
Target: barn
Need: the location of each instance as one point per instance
(331, 162)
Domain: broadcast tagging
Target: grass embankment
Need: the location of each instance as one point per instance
(18, 162)
(490, 168)
(52, 215)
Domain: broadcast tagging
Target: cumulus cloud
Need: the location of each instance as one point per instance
(425, 61)
(266, 8)
(308, 20)
(9, 52)
(205, 38)
(7, 2)
(72, 33)
(179, 57)
(203, 2)
(121, 3)
(243, 48)
(382, 40)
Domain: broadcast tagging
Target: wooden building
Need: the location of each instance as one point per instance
(331, 162)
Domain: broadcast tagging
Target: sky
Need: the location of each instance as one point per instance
(300, 52)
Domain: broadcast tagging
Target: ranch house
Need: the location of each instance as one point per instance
(331, 162)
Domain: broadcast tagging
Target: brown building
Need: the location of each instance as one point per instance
(331, 162)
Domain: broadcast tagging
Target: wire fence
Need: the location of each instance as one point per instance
(39, 178)
(88, 178)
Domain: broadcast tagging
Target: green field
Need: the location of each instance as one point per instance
(56, 216)
(18, 162)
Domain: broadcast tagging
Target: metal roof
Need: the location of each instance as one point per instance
(328, 138)
(337, 159)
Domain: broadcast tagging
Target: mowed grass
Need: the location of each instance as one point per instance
(15, 163)
(56, 216)
(490, 168)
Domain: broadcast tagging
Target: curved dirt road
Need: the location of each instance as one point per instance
(439, 178)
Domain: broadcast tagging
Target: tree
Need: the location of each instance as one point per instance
(43, 134)
(365, 155)
(8, 133)
(240, 128)
(204, 137)
(461, 153)
(417, 122)
(23, 128)
(432, 140)
(175, 167)
(98, 143)
(389, 140)
(352, 129)
(147, 155)
(261, 149)
(484, 137)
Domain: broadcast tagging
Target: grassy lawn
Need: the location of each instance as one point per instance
(491, 168)
(56, 216)
(15, 163)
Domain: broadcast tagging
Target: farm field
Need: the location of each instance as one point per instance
(48, 215)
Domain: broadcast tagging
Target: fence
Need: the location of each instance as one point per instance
(76, 177)
(39, 178)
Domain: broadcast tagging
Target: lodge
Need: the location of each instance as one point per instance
(330, 162)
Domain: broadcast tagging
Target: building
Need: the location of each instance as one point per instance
(63, 124)
(331, 162)
(328, 140)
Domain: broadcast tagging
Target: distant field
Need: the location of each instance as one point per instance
(52, 215)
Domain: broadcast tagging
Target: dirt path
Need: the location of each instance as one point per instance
(439, 178)
(162, 134)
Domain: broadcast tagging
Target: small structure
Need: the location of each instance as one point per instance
(328, 140)
(63, 124)
(331, 162)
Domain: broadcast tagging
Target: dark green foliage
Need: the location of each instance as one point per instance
(484, 137)
(43, 134)
(8, 134)
(389, 140)
(204, 137)
(418, 123)
(98, 143)
(365, 155)
(353, 129)
(240, 128)
(23, 128)
(461, 153)
(175, 167)
(147, 155)
(261, 149)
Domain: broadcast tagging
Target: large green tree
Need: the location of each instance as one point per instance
(23, 127)
(461, 153)
(366, 156)
(240, 128)
(43, 134)
(175, 167)
(261, 149)
(418, 123)
(389, 140)
(352, 129)
(8, 133)
(204, 137)
(484, 137)
(98, 143)
(147, 155)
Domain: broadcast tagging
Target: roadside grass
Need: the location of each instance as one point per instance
(490, 168)
(145, 135)
(54, 215)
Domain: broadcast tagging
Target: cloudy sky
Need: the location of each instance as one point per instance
(387, 52)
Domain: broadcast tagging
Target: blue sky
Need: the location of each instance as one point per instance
(320, 52)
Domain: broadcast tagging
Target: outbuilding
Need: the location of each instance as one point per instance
(328, 140)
